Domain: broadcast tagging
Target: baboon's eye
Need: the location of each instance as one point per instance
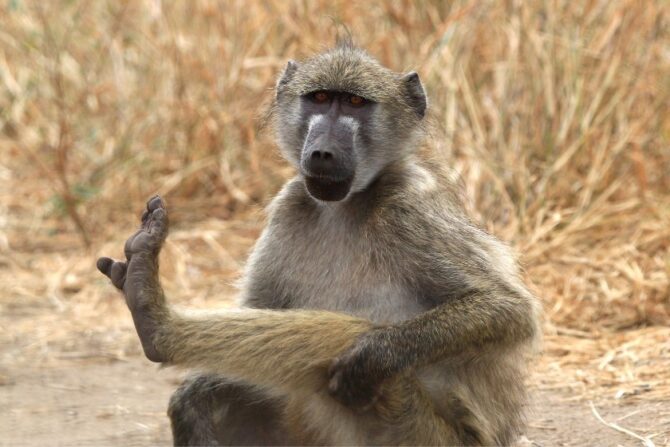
(320, 97)
(356, 100)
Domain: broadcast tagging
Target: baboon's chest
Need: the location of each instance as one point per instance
(334, 268)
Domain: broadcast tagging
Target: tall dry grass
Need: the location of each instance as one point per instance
(555, 113)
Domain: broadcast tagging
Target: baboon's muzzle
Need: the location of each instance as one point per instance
(327, 160)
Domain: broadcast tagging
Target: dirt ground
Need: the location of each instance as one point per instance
(85, 399)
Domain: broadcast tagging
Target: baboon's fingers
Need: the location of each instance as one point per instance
(153, 204)
(145, 216)
(114, 270)
(350, 380)
(158, 224)
(155, 223)
(150, 238)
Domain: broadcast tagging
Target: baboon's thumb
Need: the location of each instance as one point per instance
(104, 264)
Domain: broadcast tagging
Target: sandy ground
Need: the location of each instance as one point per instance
(99, 401)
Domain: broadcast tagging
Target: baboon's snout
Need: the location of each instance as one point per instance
(327, 160)
(328, 150)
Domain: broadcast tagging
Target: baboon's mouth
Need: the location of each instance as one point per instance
(328, 189)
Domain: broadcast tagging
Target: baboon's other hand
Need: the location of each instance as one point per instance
(355, 376)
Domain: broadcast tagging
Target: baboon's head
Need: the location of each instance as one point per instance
(341, 118)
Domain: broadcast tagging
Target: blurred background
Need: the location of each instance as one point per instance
(554, 113)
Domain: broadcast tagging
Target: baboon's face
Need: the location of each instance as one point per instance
(341, 117)
(337, 123)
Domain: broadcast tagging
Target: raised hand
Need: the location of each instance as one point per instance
(137, 276)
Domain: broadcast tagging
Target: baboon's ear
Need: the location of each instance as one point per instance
(416, 95)
(286, 76)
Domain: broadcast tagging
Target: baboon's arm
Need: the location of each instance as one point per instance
(473, 323)
(279, 349)
(459, 326)
(481, 312)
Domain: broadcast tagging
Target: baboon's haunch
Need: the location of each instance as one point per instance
(375, 311)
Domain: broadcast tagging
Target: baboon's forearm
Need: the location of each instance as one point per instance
(463, 325)
(146, 301)
(286, 350)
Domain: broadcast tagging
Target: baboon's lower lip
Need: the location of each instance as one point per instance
(327, 189)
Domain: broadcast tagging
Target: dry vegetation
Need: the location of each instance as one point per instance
(555, 114)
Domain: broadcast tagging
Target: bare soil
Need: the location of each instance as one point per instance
(98, 401)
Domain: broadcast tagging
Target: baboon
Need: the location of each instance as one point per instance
(373, 310)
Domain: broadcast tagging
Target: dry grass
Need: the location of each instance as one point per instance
(555, 114)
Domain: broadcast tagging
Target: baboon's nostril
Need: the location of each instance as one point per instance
(322, 155)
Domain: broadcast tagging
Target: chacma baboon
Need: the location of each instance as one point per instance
(375, 312)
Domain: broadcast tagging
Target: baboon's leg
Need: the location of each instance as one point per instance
(209, 410)
(403, 414)
(408, 417)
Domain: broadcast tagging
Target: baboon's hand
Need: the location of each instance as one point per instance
(141, 248)
(355, 376)
(137, 277)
